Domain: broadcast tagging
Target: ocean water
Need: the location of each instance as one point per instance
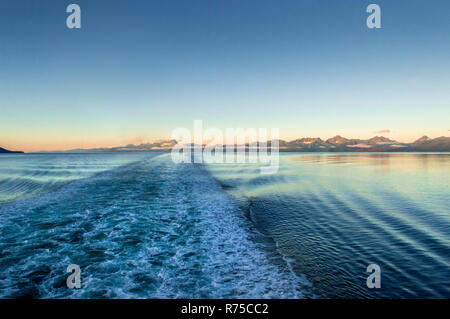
(332, 215)
(140, 226)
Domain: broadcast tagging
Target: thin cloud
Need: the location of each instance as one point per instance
(385, 131)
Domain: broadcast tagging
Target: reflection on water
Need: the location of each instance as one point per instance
(334, 214)
(401, 161)
(29, 175)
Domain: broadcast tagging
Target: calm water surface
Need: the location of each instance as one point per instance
(334, 214)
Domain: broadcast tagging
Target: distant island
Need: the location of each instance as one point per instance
(311, 144)
(4, 151)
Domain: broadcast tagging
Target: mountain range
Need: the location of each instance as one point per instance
(375, 144)
(314, 144)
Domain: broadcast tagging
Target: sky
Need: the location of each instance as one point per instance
(136, 70)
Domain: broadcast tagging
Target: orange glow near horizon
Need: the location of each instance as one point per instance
(64, 143)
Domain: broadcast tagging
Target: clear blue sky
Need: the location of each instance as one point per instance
(138, 69)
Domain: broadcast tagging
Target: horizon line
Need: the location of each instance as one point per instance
(156, 141)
